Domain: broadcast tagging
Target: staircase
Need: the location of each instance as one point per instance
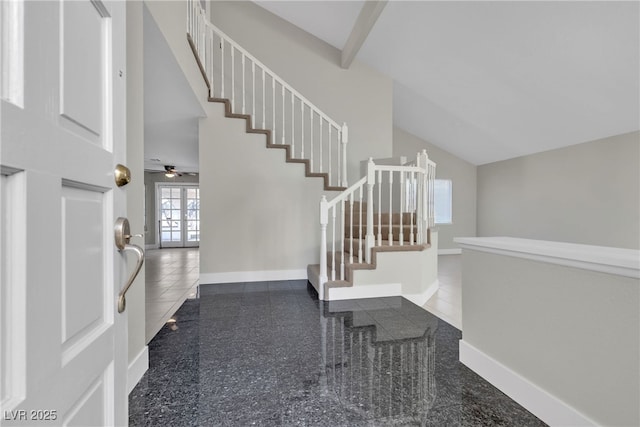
(252, 91)
(387, 212)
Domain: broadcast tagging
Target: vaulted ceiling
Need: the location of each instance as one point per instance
(492, 80)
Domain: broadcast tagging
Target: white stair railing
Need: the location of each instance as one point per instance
(252, 88)
(405, 206)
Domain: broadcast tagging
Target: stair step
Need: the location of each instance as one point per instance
(286, 147)
(385, 247)
(314, 269)
(384, 230)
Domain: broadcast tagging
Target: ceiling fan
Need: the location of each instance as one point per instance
(170, 171)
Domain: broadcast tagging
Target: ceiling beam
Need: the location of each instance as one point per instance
(368, 16)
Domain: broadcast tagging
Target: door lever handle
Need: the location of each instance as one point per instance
(122, 238)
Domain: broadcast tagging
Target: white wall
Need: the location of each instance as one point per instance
(260, 216)
(359, 96)
(463, 177)
(415, 273)
(587, 193)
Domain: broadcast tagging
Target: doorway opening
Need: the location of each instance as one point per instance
(178, 214)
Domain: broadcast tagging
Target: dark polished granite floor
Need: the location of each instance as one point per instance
(271, 354)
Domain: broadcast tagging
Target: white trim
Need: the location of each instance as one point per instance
(364, 291)
(137, 368)
(421, 298)
(151, 246)
(618, 261)
(457, 251)
(251, 276)
(539, 402)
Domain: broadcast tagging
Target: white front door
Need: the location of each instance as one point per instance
(63, 354)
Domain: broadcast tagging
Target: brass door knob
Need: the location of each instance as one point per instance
(122, 175)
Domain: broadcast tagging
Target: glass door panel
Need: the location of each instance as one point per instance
(193, 215)
(179, 215)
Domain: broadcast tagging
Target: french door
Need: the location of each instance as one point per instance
(178, 215)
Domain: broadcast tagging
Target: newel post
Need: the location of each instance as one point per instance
(370, 238)
(324, 220)
(344, 140)
(423, 197)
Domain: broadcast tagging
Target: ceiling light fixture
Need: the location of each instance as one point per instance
(170, 171)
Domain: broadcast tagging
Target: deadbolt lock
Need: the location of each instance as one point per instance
(122, 175)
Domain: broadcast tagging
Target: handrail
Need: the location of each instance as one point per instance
(271, 73)
(299, 133)
(346, 193)
(414, 204)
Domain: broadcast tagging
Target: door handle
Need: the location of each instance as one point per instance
(122, 238)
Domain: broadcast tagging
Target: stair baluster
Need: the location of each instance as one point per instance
(293, 127)
(243, 84)
(414, 201)
(214, 49)
(379, 207)
(283, 117)
(402, 200)
(390, 235)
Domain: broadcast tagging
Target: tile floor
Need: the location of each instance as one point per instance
(271, 354)
(446, 303)
(171, 277)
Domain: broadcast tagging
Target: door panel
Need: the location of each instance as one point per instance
(84, 250)
(12, 293)
(90, 410)
(192, 223)
(81, 99)
(63, 344)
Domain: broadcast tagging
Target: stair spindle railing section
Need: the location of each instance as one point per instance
(355, 220)
(252, 88)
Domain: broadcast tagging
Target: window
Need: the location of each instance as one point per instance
(442, 201)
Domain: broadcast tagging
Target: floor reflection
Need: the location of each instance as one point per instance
(378, 366)
(271, 354)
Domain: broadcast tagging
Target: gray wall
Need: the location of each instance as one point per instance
(243, 192)
(258, 212)
(587, 193)
(150, 180)
(359, 96)
(171, 18)
(463, 177)
(575, 333)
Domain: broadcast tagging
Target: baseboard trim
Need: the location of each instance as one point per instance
(457, 251)
(251, 276)
(137, 368)
(539, 402)
(421, 298)
(364, 291)
(151, 247)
